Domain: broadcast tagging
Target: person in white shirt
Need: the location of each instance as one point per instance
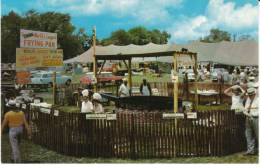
(251, 113)
(86, 105)
(98, 108)
(123, 89)
(237, 94)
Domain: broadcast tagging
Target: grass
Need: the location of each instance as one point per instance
(32, 153)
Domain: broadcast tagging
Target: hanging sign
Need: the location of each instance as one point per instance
(95, 116)
(45, 110)
(111, 116)
(56, 113)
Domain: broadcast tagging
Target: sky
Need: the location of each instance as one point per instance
(185, 20)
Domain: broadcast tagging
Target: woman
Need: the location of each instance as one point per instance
(98, 108)
(237, 93)
(15, 119)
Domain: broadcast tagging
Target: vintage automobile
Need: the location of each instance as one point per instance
(46, 77)
(103, 78)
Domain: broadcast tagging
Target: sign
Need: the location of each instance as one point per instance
(37, 39)
(191, 115)
(95, 116)
(111, 116)
(23, 77)
(173, 115)
(23, 106)
(28, 57)
(36, 101)
(17, 105)
(56, 113)
(45, 110)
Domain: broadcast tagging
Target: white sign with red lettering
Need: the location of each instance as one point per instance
(37, 39)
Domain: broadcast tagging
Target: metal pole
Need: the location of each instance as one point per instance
(175, 84)
(54, 88)
(94, 56)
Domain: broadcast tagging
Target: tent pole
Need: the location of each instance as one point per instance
(196, 82)
(175, 83)
(129, 74)
(95, 61)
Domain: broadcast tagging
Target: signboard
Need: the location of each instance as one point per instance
(173, 115)
(37, 39)
(45, 110)
(96, 116)
(28, 57)
(111, 116)
(23, 77)
(191, 115)
(56, 113)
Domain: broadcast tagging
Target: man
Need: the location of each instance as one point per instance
(86, 105)
(98, 108)
(145, 88)
(15, 119)
(251, 112)
(123, 89)
(236, 93)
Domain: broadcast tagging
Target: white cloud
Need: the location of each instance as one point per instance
(228, 15)
(217, 15)
(145, 11)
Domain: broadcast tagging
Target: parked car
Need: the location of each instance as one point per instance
(46, 77)
(104, 77)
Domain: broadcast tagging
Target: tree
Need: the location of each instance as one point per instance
(71, 42)
(138, 36)
(217, 35)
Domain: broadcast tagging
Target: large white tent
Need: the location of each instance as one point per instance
(230, 53)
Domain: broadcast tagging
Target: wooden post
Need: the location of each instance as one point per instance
(94, 56)
(54, 88)
(196, 75)
(129, 74)
(175, 84)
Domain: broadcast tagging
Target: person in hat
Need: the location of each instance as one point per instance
(123, 89)
(145, 88)
(251, 113)
(15, 119)
(86, 105)
(98, 108)
(237, 94)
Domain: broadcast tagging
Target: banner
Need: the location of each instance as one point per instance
(28, 57)
(37, 39)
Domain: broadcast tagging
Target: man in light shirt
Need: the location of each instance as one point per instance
(251, 112)
(123, 89)
(86, 105)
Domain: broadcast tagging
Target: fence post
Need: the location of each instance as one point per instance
(132, 138)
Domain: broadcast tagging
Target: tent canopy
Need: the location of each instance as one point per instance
(230, 53)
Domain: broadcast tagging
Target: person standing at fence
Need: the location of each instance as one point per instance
(251, 113)
(123, 89)
(98, 108)
(15, 119)
(145, 88)
(86, 105)
(237, 95)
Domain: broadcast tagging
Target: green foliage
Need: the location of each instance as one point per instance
(216, 35)
(72, 43)
(138, 36)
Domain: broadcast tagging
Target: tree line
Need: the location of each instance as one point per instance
(75, 41)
